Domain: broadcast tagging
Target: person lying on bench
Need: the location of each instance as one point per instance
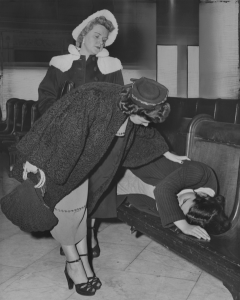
(185, 195)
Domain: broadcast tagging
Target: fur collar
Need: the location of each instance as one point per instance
(106, 63)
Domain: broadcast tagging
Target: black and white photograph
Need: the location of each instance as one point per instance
(119, 149)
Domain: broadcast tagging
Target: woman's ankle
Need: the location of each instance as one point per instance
(77, 272)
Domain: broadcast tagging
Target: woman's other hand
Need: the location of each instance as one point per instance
(175, 158)
(193, 230)
(29, 168)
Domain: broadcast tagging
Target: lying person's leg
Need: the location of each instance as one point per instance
(156, 170)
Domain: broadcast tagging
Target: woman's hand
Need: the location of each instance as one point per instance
(175, 158)
(29, 168)
(193, 230)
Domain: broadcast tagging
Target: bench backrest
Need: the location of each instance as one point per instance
(175, 128)
(222, 110)
(218, 145)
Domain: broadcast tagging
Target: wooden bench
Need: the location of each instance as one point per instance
(218, 145)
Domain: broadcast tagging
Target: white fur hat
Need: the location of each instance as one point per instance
(108, 15)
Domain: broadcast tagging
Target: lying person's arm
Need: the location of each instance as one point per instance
(193, 230)
(131, 184)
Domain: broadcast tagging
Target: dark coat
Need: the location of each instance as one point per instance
(73, 135)
(80, 72)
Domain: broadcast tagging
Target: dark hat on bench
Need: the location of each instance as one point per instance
(148, 93)
(25, 207)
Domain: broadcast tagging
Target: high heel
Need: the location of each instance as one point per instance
(69, 279)
(85, 288)
(94, 280)
(95, 251)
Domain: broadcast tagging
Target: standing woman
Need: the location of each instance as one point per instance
(88, 61)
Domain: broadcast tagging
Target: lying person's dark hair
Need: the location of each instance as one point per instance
(208, 212)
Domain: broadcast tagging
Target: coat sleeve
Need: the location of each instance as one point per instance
(118, 77)
(115, 77)
(148, 145)
(56, 141)
(49, 89)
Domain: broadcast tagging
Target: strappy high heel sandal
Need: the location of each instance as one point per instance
(94, 280)
(95, 251)
(85, 289)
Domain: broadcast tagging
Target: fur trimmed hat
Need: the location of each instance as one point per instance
(105, 13)
(148, 92)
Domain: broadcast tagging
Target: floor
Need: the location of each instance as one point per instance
(129, 267)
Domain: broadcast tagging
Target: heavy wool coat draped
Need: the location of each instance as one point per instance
(74, 134)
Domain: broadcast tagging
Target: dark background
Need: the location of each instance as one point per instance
(27, 27)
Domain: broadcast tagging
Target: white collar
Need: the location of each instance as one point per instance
(106, 63)
(210, 192)
(122, 129)
(205, 190)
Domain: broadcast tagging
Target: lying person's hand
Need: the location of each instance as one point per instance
(29, 168)
(193, 230)
(174, 157)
